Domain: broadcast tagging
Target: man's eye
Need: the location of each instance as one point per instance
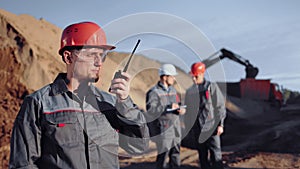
(91, 55)
(99, 54)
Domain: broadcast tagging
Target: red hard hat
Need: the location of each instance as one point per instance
(197, 68)
(83, 34)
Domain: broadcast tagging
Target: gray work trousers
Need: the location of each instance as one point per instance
(213, 146)
(174, 158)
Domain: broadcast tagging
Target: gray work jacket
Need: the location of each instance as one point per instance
(167, 129)
(207, 113)
(56, 129)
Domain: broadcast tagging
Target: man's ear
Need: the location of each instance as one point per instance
(164, 77)
(67, 56)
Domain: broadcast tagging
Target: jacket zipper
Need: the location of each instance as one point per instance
(86, 138)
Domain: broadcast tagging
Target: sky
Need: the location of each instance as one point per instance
(265, 32)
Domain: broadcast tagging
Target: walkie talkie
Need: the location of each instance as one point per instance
(118, 74)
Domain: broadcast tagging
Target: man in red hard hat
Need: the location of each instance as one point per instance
(70, 123)
(204, 118)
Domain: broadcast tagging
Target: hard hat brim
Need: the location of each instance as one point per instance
(106, 47)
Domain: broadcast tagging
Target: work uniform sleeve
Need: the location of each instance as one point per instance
(219, 103)
(154, 109)
(25, 140)
(192, 102)
(134, 133)
(153, 106)
(130, 111)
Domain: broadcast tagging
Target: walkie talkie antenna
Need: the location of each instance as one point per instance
(118, 74)
(127, 64)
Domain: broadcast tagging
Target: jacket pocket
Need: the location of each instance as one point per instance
(102, 132)
(63, 127)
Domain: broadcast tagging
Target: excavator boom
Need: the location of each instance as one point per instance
(251, 71)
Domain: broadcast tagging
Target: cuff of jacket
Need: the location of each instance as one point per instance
(221, 123)
(124, 104)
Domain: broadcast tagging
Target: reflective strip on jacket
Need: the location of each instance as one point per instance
(56, 129)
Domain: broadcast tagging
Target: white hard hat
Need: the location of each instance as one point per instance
(167, 69)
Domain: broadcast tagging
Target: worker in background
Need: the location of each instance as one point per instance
(205, 116)
(163, 110)
(69, 123)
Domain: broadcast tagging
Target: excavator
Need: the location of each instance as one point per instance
(249, 87)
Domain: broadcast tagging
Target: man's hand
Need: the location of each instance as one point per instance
(175, 106)
(220, 130)
(180, 110)
(121, 86)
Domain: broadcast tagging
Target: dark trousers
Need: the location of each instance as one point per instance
(213, 146)
(174, 158)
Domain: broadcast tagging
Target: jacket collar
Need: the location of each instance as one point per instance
(203, 86)
(59, 85)
(159, 84)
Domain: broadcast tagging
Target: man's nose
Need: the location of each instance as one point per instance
(98, 61)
